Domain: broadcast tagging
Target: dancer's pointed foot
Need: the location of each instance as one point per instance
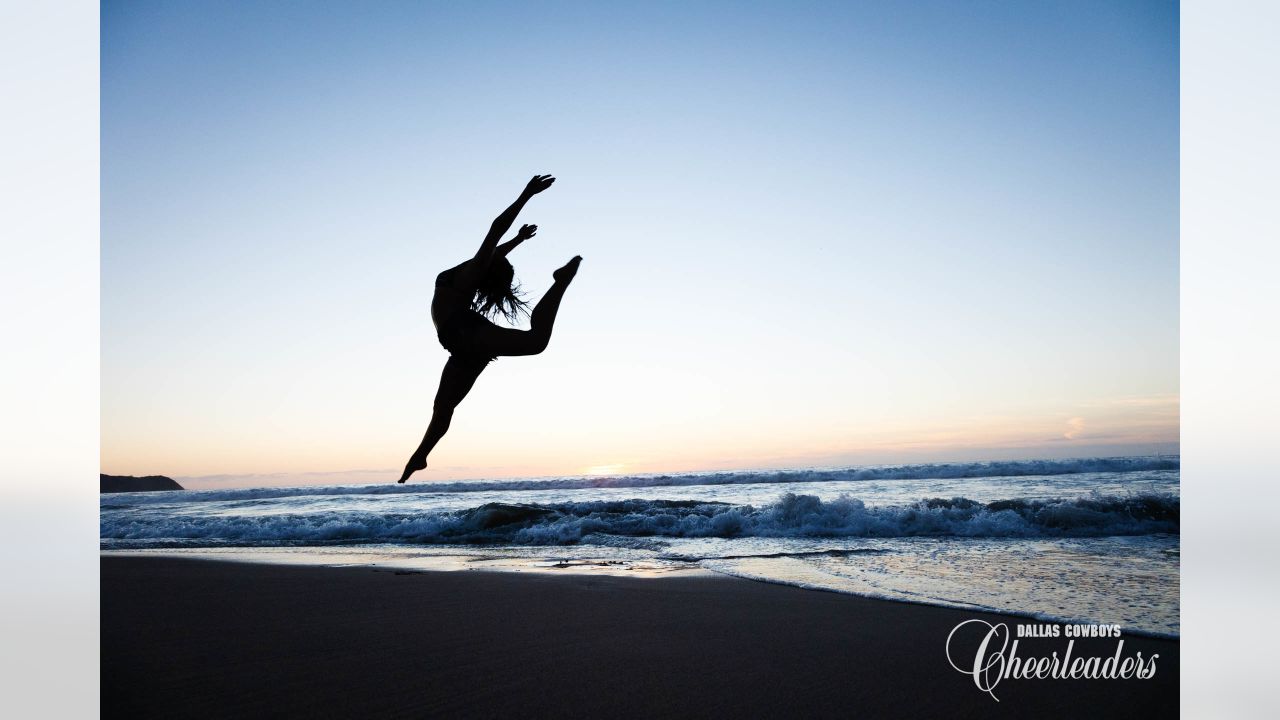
(414, 465)
(566, 273)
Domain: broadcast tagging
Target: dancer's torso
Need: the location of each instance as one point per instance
(450, 297)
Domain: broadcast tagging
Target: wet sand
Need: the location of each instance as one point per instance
(187, 638)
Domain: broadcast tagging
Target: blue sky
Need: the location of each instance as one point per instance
(813, 233)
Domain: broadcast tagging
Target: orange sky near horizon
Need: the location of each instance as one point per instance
(1130, 426)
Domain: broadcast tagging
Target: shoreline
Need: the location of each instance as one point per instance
(191, 637)
(587, 567)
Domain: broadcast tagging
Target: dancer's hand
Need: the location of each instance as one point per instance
(526, 232)
(538, 184)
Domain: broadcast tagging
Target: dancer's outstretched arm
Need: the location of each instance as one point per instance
(501, 224)
(525, 232)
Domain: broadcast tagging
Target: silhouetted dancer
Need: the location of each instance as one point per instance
(465, 294)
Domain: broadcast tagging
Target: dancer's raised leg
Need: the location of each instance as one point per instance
(543, 317)
(507, 341)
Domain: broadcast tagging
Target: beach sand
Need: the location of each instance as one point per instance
(198, 638)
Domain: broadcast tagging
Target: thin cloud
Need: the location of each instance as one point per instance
(1075, 426)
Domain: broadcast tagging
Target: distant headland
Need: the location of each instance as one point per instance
(128, 483)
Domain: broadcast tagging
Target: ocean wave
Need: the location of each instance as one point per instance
(571, 523)
(932, 471)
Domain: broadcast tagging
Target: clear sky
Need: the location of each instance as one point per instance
(814, 233)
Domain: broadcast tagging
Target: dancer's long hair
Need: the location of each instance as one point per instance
(499, 293)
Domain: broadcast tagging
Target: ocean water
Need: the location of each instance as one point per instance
(1081, 540)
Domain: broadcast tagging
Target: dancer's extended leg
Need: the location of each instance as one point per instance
(455, 382)
(507, 341)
